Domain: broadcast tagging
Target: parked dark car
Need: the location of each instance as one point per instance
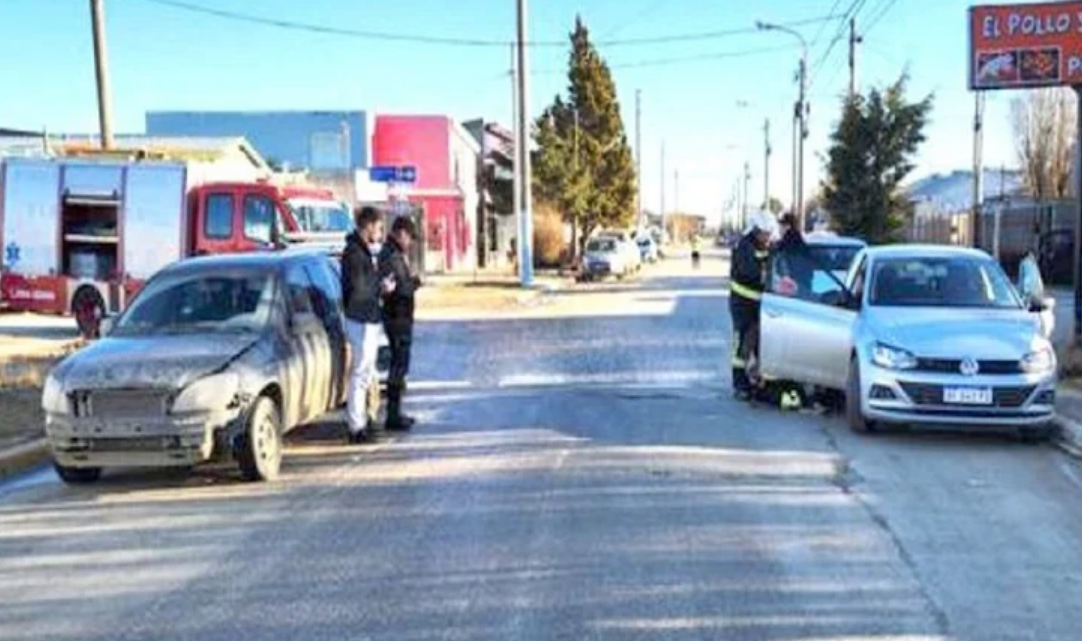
(217, 357)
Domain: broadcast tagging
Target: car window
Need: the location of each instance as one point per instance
(259, 217)
(327, 293)
(797, 274)
(218, 219)
(210, 302)
(601, 245)
(298, 290)
(947, 281)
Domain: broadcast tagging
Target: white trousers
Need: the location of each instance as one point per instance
(364, 343)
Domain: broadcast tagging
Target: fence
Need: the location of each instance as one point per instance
(1047, 229)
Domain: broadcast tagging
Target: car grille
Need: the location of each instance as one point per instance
(930, 394)
(954, 366)
(121, 403)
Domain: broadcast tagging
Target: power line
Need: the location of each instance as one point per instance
(294, 25)
(853, 10)
(879, 16)
(664, 62)
(819, 31)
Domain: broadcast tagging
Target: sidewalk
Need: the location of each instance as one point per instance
(1069, 418)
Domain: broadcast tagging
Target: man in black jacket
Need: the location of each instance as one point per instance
(398, 307)
(362, 289)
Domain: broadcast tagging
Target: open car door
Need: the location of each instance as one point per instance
(1031, 289)
(805, 323)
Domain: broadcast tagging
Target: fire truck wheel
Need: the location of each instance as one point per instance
(88, 307)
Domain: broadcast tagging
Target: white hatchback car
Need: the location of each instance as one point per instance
(918, 334)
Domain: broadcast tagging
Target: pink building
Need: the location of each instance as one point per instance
(446, 191)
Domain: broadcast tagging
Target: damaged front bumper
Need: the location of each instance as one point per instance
(158, 441)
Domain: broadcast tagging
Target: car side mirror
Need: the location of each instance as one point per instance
(1039, 304)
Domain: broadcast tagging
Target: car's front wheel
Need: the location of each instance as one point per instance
(77, 475)
(259, 447)
(854, 415)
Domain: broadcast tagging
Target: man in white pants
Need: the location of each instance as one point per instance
(362, 290)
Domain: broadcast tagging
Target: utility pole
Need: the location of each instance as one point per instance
(638, 156)
(516, 147)
(664, 177)
(854, 40)
(676, 190)
(101, 70)
(525, 222)
(766, 163)
(802, 116)
(978, 165)
(747, 194)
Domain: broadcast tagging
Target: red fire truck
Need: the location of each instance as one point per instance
(81, 235)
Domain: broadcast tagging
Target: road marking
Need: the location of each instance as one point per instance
(559, 379)
(1072, 475)
(439, 385)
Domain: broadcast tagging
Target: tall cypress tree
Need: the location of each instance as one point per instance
(585, 164)
(870, 155)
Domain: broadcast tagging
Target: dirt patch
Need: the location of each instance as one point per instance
(21, 419)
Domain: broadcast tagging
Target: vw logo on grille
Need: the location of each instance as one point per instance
(969, 367)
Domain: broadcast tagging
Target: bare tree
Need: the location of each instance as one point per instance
(1044, 128)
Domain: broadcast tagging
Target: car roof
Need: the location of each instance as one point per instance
(919, 251)
(262, 260)
(819, 238)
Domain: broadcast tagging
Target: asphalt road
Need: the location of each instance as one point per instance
(580, 474)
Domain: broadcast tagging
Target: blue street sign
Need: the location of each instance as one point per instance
(12, 254)
(393, 174)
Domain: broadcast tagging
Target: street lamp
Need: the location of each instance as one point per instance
(799, 115)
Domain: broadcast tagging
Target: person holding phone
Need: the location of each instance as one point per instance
(362, 289)
(398, 310)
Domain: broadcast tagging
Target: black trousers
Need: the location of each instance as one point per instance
(745, 345)
(401, 343)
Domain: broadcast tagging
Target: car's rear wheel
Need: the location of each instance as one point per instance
(77, 475)
(259, 447)
(854, 415)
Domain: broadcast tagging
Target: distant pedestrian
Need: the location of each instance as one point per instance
(398, 310)
(361, 292)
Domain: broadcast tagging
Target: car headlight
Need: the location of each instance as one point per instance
(53, 399)
(1040, 361)
(210, 394)
(889, 357)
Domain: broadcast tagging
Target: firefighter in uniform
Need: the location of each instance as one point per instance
(747, 280)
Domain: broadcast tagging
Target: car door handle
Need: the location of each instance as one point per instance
(773, 313)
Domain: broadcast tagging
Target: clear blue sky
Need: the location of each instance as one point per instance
(164, 58)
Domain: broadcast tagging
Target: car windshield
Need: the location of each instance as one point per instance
(209, 302)
(941, 282)
(321, 216)
(601, 245)
(835, 258)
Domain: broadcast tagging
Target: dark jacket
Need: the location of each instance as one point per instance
(398, 306)
(747, 280)
(360, 282)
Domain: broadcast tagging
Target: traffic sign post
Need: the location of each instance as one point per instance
(406, 174)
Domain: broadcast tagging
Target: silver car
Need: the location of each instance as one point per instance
(217, 357)
(917, 334)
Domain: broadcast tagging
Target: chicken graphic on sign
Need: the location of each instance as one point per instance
(995, 68)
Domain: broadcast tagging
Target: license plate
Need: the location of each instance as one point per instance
(967, 395)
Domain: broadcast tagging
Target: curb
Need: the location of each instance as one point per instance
(1068, 435)
(23, 457)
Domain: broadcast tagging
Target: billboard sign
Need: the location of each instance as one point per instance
(1025, 45)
